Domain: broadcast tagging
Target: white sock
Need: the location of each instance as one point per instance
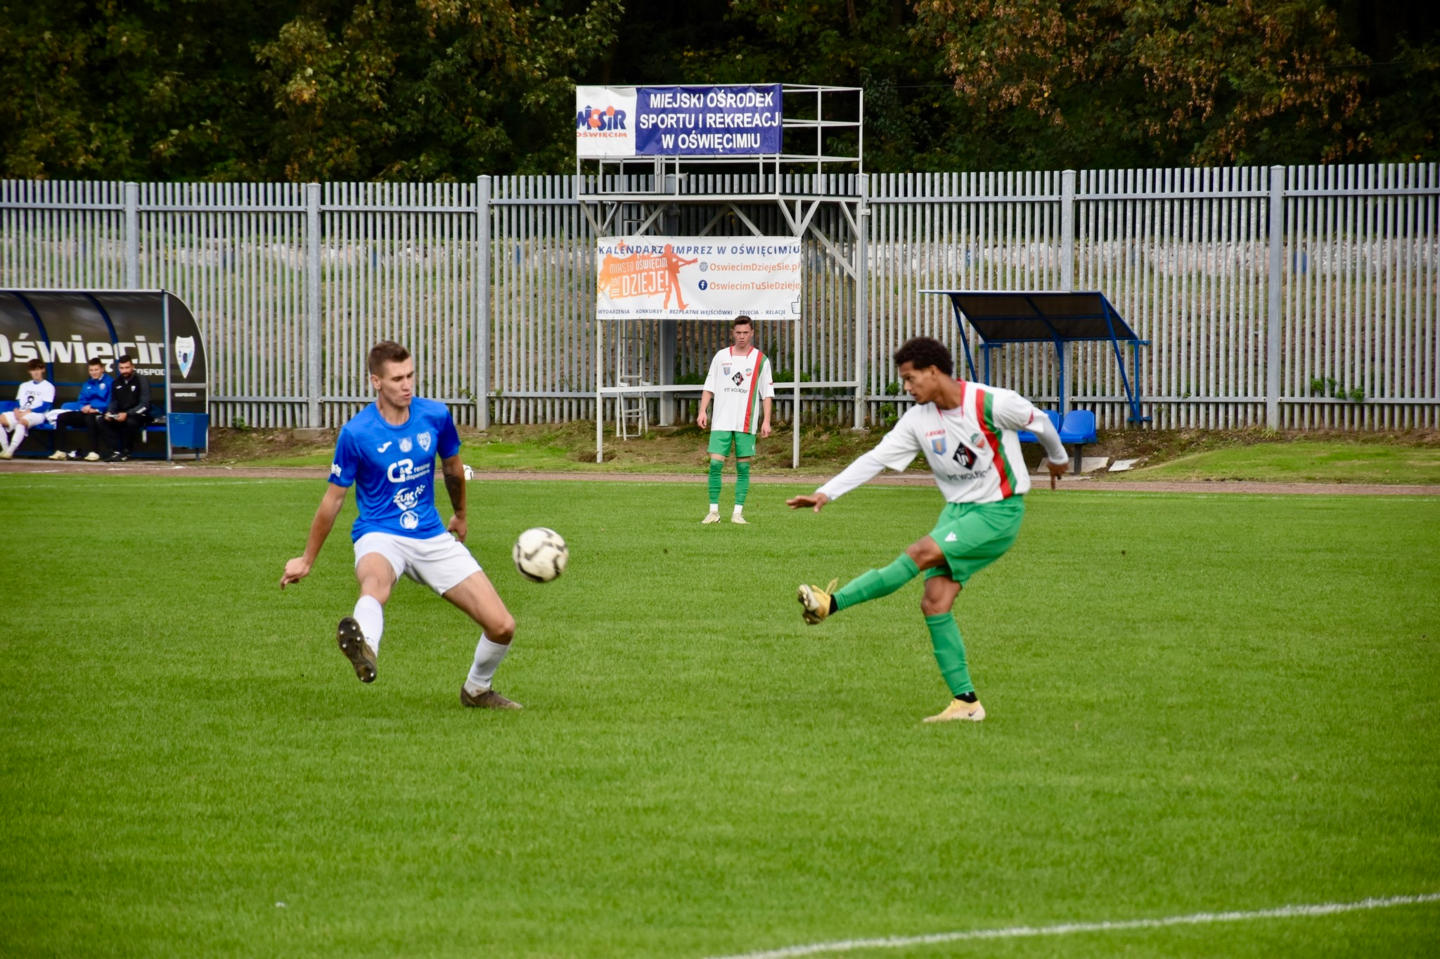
(738, 509)
(17, 436)
(371, 617)
(714, 507)
(487, 660)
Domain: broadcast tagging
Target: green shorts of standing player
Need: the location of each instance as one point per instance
(740, 385)
(969, 436)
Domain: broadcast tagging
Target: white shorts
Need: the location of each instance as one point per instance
(440, 562)
(29, 419)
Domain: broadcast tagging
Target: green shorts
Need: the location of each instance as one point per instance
(722, 440)
(974, 535)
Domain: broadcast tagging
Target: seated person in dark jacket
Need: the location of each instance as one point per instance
(94, 400)
(127, 414)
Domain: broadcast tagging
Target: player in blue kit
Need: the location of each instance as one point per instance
(387, 452)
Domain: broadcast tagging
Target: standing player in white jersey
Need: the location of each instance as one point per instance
(387, 451)
(34, 398)
(740, 382)
(967, 433)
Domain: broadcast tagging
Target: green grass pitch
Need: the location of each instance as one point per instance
(1198, 703)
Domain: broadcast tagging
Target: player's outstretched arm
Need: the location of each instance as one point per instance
(1056, 460)
(329, 508)
(815, 501)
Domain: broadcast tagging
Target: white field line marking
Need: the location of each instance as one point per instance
(1070, 928)
(174, 480)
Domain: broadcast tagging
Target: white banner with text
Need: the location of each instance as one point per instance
(697, 278)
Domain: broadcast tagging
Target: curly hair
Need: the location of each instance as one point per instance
(922, 351)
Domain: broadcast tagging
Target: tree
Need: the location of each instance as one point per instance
(127, 90)
(428, 90)
(191, 89)
(1173, 81)
(910, 113)
(449, 89)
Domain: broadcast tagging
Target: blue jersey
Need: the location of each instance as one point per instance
(96, 392)
(393, 468)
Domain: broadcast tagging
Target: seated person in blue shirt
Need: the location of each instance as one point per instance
(93, 399)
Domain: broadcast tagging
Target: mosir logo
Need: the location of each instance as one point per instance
(599, 118)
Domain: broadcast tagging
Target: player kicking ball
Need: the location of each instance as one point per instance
(387, 452)
(968, 435)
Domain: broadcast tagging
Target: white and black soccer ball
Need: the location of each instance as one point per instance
(540, 554)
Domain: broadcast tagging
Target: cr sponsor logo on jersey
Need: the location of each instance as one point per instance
(406, 470)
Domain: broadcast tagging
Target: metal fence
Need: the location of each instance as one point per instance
(1300, 297)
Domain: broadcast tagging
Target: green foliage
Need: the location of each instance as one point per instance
(1327, 386)
(890, 413)
(431, 90)
(1171, 81)
(449, 89)
(710, 776)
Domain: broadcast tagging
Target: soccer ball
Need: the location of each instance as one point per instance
(540, 554)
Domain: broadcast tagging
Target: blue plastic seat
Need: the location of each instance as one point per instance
(1077, 429)
(1028, 437)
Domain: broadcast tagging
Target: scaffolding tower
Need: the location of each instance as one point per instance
(820, 166)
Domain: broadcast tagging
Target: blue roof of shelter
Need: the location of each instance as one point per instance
(1039, 316)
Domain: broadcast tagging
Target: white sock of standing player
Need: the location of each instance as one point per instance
(371, 617)
(487, 660)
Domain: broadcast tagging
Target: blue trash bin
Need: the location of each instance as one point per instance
(189, 431)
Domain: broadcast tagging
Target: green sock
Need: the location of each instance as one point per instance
(877, 582)
(950, 653)
(742, 481)
(717, 467)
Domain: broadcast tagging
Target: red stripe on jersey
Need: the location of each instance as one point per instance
(992, 438)
(750, 397)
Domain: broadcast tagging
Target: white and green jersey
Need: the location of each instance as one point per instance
(738, 383)
(973, 449)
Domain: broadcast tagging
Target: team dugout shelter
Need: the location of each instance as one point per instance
(1005, 317)
(67, 328)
